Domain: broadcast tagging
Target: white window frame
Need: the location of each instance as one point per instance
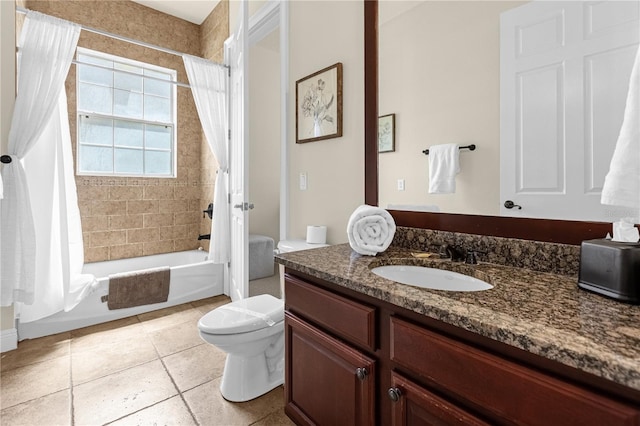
(173, 123)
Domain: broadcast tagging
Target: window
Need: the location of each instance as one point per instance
(126, 117)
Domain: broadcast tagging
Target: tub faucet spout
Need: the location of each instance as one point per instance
(204, 237)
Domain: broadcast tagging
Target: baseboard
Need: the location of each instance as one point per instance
(8, 340)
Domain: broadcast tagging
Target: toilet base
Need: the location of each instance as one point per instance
(246, 378)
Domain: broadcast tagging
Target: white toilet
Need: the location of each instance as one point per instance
(251, 332)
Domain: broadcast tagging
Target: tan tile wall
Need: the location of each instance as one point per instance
(130, 217)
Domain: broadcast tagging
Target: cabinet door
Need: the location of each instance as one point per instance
(326, 381)
(414, 405)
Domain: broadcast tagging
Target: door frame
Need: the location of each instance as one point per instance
(275, 15)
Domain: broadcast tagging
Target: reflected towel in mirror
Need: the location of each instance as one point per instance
(444, 165)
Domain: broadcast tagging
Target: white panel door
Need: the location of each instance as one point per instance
(236, 50)
(565, 69)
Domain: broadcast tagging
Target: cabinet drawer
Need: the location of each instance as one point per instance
(509, 390)
(351, 320)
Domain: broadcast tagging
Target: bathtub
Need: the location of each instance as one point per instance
(192, 278)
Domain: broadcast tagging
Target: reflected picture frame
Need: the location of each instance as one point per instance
(319, 105)
(387, 133)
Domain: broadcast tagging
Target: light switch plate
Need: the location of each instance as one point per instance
(303, 181)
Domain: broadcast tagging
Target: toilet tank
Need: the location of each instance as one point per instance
(287, 246)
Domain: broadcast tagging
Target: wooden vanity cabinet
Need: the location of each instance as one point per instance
(327, 381)
(507, 391)
(419, 371)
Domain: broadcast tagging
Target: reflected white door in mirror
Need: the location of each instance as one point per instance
(564, 84)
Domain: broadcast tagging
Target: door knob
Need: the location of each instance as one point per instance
(244, 206)
(394, 394)
(510, 204)
(361, 373)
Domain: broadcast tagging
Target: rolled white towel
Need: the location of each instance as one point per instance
(370, 230)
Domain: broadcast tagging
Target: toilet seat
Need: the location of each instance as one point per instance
(243, 316)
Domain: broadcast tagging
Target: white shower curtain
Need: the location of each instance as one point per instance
(41, 235)
(208, 84)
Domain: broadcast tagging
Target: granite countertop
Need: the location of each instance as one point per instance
(542, 313)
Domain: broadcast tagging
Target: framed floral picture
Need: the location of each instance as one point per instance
(387, 133)
(319, 105)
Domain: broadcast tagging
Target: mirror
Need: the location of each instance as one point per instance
(439, 74)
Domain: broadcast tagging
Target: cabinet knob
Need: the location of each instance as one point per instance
(361, 373)
(394, 394)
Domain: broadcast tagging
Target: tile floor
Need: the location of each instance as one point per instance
(150, 369)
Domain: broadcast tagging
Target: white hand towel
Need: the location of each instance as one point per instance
(370, 230)
(443, 166)
(622, 183)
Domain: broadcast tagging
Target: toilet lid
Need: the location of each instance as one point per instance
(242, 316)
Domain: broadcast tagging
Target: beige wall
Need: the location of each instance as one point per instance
(264, 137)
(443, 84)
(321, 34)
(7, 97)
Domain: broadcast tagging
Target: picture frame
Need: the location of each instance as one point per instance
(387, 133)
(319, 105)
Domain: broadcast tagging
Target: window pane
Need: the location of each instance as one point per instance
(157, 162)
(96, 159)
(126, 118)
(95, 98)
(157, 137)
(127, 82)
(96, 130)
(128, 133)
(95, 75)
(128, 161)
(157, 109)
(127, 104)
(155, 87)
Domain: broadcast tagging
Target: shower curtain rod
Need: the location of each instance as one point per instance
(125, 39)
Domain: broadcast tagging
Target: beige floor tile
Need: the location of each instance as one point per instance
(210, 408)
(105, 335)
(176, 338)
(36, 350)
(278, 418)
(164, 318)
(195, 366)
(172, 412)
(210, 303)
(34, 381)
(105, 360)
(53, 409)
(120, 394)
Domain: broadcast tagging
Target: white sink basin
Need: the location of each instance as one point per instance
(436, 279)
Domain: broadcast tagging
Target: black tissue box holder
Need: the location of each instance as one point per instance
(611, 268)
